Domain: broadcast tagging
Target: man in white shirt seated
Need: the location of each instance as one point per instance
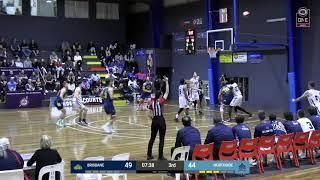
(77, 61)
(304, 122)
(18, 63)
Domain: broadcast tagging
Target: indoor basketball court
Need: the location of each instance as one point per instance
(159, 89)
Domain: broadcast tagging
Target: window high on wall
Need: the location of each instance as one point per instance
(46, 8)
(76, 9)
(107, 11)
(11, 7)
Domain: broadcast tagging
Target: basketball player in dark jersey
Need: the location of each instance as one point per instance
(58, 103)
(146, 92)
(107, 94)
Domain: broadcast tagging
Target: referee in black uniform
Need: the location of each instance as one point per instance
(158, 121)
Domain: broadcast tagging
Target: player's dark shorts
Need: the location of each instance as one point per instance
(227, 99)
(109, 107)
(58, 103)
(145, 95)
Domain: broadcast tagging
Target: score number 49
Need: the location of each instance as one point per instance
(128, 165)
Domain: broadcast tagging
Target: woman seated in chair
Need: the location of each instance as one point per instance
(9, 159)
(45, 156)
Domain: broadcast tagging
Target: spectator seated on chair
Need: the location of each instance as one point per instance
(77, 61)
(3, 53)
(30, 86)
(27, 63)
(291, 125)
(33, 46)
(4, 63)
(34, 76)
(278, 127)
(3, 44)
(53, 56)
(91, 49)
(51, 66)
(94, 79)
(45, 156)
(65, 46)
(3, 78)
(132, 83)
(2, 91)
(12, 85)
(220, 132)
(23, 77)
(187, 136)
(241, 130)
(264, 128)
(20, 86)
(25, 48)
(126, 92)
(59, 68)
(38, 84)
(18, 63)
(71, 79)
(9, 159)
(15, 47)
(304, 122)
(67, 57)
(76, 47)
(314, 117)
(49, 82)
(36, 64)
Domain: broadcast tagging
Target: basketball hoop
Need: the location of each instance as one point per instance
(213, 52)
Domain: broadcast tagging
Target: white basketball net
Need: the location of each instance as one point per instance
(212, 52)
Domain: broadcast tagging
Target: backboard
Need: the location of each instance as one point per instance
(220, 38)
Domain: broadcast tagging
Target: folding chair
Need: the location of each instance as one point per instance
(266, 145)
(228, 151)
(52, 169)
(184, 155)
(300, 142)
(284, 145)
(91, 176)
(314, 142)
(203, 152)
(12, 174)
(248, 149)
(119, 157)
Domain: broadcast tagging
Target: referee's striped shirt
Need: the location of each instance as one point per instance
(157, 107)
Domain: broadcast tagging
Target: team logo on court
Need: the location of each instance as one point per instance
(24, 102)
(303, 17)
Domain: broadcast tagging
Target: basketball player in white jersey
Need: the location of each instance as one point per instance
(183, 99)
(194, 86)
(79, 106)
(237, 99)
(312, 95)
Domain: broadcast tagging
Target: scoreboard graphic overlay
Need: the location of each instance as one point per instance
(206, 167)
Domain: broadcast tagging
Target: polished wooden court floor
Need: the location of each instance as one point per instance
(25, 127)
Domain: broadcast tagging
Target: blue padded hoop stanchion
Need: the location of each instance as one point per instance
(292, 92)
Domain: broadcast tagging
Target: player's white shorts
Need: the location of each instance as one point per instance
(195, 96)
(236, 101)
(183, 103)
